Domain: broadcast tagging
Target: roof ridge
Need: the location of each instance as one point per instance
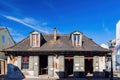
(57, 34)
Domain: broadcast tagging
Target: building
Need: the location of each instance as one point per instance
(118, 46)
(58, 55)
(111, 45)
(5, 41)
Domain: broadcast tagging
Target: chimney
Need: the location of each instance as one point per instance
(55, 34)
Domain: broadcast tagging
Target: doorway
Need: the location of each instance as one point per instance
(69, 67)
(43, 63)
(89, 67)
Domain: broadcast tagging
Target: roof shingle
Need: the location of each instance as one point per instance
(63, 43)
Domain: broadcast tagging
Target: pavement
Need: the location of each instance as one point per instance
(64, 79)
(89, 78)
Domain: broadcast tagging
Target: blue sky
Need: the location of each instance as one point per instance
(95, 18)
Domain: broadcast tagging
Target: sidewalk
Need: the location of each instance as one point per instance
(76, 79)
(64, 79)
(115, 78)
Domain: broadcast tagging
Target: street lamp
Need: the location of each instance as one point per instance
(111, 48)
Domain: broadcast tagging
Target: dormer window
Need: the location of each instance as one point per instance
(77, 39)
(35, 39)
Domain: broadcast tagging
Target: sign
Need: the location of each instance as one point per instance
(68, 58)
(89, 58)
(25, 59)
(76, 64)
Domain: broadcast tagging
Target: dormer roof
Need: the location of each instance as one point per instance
(76, 32)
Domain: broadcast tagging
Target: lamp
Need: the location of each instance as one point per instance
(111, 48)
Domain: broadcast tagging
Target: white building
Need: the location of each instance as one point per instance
(118, 33)
(118, 46)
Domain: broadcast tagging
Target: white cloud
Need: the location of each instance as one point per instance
(105, 28)
(16, 36)
(104, 46)
(31, 23)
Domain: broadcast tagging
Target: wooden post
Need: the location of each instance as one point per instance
(2, 67)
(5, 67)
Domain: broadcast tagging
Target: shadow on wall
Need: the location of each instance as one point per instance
(13, 73)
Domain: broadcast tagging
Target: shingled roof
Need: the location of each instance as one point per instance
(63, 43)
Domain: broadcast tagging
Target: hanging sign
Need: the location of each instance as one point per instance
(88, 58)
(68, 58)
(25, 59)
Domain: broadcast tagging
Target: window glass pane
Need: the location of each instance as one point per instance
(74, 40)
(78, 39)
(37, 40)
(25, 62)
(3, 38)
(118, 52)
(33, 40)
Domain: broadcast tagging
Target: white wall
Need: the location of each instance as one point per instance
(101, 63)
(118, 32)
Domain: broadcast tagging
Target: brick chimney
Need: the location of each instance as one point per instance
(55, 34)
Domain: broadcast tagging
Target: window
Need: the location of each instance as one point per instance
(76, 40)
(8, 41)
(3, 38)
(25, 62)
(118, 52)
(35, 40)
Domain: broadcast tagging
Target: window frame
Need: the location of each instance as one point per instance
(77, 39)
(24, 64)
(35, 39)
